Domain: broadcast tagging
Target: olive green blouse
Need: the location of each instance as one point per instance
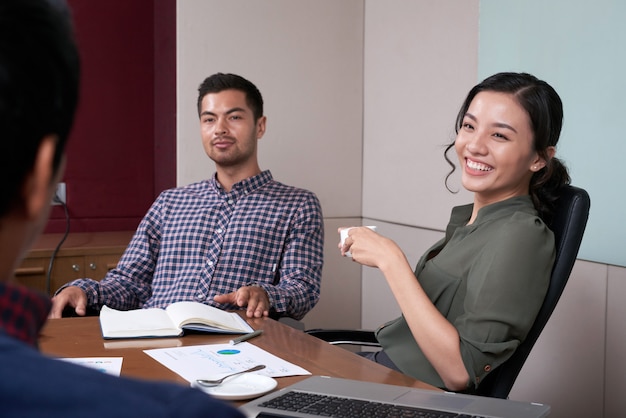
(488, 279)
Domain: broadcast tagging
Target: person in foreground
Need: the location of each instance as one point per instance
(39, 79)
(239, 239)
(474, 295)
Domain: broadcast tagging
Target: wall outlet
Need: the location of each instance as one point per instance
(60, 195)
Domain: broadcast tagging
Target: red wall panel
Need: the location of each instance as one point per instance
(110, 175)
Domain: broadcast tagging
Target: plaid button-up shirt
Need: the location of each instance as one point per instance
(198, 241)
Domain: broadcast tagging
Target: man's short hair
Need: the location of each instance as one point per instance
(219, 82)
(39, 87)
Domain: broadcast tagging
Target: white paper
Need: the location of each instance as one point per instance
(111, 365)
(216, 360)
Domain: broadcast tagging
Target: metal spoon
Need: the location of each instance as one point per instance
(210, 383)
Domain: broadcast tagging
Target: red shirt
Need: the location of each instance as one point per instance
(22, 312)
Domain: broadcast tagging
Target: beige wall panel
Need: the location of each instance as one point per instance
(566, 367)
(616, 343)
(306, 57)
(340, 300)
(420, 62)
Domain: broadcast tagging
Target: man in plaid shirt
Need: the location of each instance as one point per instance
(240, 240)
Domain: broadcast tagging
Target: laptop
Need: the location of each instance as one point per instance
(334, 393)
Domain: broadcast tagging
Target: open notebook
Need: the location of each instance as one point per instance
(342, 391)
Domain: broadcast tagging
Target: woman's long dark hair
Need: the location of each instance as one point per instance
(545, 110)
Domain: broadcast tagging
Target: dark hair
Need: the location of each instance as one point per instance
(39, 83)
(545, 111)
(219, 82)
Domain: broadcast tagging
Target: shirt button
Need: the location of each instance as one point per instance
(200, 296)
(230, 201)
(219, 231)
(487, 368)
(210, 263)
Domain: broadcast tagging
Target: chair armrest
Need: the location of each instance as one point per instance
(345, 336)
(70, 312)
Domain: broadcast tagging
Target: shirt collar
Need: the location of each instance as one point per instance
(243, 187)
(461, 214)
(22, 312)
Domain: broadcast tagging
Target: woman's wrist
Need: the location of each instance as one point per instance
(393, 259)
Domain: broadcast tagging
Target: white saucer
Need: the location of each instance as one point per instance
(245, 386)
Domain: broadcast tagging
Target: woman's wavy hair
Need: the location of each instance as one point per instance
(545, 110)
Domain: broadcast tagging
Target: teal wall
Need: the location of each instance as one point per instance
(579, 47)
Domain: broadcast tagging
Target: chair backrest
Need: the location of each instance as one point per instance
(568, 224)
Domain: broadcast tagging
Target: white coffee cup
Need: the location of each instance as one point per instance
(344, 235)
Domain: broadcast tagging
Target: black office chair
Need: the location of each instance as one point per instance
(568, 225)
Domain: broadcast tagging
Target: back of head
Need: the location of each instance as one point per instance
(219, 82)
(545, 111)
(39, 83)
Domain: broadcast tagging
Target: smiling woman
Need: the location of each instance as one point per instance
(522, 116)
(495, 149)
(474, 295)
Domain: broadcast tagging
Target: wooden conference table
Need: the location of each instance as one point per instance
(81, 337)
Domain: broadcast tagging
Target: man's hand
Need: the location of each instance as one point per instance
(254, 297)
(70, 296)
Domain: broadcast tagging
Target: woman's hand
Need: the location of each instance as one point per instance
(438, 338)
(369, 248)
